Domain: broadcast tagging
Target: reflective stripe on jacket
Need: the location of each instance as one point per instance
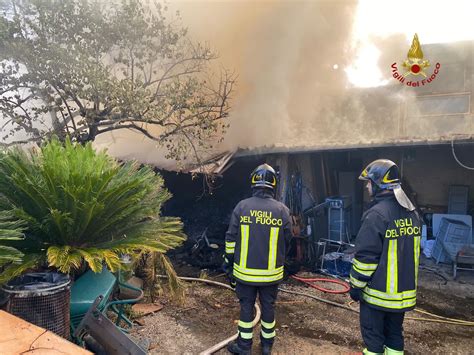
(385, 265)
(256, 240)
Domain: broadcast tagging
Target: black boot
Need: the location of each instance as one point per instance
(234, 348)
(266, 349)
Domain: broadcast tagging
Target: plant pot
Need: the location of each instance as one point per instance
(42, 299)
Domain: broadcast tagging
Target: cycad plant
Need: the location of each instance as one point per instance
(74, 205)
(10, 229)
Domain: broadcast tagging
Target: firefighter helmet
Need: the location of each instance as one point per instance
(383, 173)
(263, 176)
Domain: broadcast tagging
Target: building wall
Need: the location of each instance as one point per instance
(429, 171)
(443, 106)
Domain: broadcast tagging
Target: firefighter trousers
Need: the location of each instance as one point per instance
(247, 295)
(381, 329)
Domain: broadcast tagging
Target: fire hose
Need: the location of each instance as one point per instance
(440, 319)
(226, 341)
(309, 282)
(223, 343)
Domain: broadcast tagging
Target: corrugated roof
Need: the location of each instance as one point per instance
(220, 162)
(399, 142)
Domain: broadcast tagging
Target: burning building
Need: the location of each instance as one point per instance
(296, 110)
(426, 130)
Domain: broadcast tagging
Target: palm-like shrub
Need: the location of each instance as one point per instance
(10, 230)
(76, 205)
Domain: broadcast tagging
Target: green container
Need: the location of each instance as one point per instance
(86, 289)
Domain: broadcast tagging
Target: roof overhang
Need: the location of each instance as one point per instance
(280, 149)
(215, 165)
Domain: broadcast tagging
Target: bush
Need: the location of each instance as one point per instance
(74, 206)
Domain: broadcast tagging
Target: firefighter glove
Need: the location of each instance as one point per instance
(355, 293)
(227, 268)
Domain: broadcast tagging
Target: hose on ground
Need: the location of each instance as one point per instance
(226, 341)
(319, 299)
(309, 282)
(444, 320)
(436, 272)
(223, 343)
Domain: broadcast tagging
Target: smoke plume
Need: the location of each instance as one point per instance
(292, 90)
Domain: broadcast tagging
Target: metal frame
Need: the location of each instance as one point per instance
(112, 305)
(106, 333)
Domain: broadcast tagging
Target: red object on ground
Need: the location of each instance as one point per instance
(309, 282)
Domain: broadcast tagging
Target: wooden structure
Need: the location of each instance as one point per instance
(20, 337)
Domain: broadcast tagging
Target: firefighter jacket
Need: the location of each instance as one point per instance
(385, 265)
(256, 241)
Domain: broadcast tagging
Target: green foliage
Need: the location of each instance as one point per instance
(10, 229)
(77, 205)
(81, 68)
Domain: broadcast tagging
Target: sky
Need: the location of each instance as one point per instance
(433, 21)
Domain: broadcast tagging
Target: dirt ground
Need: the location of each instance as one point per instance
(307, 326)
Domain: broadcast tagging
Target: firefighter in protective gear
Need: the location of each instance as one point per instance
(255, 249)
(385, 267)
